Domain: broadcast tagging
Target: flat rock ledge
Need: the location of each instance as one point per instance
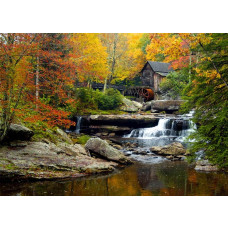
(124, 120)
(205, 165)
(39, 160)
(174, 151)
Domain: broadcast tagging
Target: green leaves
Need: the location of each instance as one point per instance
(208, 95)
(174, 84)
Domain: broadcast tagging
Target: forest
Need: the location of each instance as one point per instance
(47, 86)
(40, 73)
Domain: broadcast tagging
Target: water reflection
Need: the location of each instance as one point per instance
(166, 178)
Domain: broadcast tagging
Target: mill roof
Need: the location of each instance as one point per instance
(159, 67)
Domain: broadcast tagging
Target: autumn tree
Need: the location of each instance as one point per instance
(35, 75)
(179, 49)
(89, 57)
(125, 57)
(15, 53)
(56, 69)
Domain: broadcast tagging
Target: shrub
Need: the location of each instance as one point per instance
(174, 84)
(109, 100)
(83, 139)
(89, 99)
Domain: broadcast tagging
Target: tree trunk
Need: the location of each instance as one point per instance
(190, 63)
(4, 124)
(105, 84)
(37, 82)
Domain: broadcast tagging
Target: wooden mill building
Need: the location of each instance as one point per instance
(153, 73)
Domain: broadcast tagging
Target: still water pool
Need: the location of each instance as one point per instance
(164, 178)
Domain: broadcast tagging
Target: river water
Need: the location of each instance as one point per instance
(141, 179)
(150, 175)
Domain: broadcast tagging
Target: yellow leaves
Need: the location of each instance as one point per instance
(210, 75)
(90, 57)
(205, 59)
(172, 46)
(21, 70)
(125, 56)
(220, 86)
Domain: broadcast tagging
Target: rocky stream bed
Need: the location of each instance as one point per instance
(106, 156)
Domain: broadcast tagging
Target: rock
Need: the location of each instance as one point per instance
(125, 120)
(118, 147)
(175, 148)
(131, 145)
(103, 149)
(18, 143)
(134, 144)
(130, 106)
(116, 141)
(110, 129)
(146, 106)
(19, 132)
(168, 106)
(46, 141)
(205, 165)
(137, 104)
(64, 136)
(73, 150)
(111, 134)
(39, 160)
(127, 144)
(156, 149)
(128, 153)
(181, 157)
(142, 152)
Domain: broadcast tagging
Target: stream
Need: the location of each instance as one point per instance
(150, 175)
(141, 179)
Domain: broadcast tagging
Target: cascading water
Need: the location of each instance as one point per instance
(178, 128)
(78, 125)
(159, 130)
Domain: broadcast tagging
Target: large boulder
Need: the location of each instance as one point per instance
(167, 106)
(173, 149)
(103, 149)
(130, 106)
(19, 132)
(205, 165)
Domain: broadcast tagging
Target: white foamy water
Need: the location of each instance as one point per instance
(146, 133)
(180, 128)
(78, 125)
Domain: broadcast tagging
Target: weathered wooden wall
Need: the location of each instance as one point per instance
(157, 80)
(147, 76)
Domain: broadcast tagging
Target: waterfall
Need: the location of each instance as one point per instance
(159, 130)
(179, 127)
(78, 125)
